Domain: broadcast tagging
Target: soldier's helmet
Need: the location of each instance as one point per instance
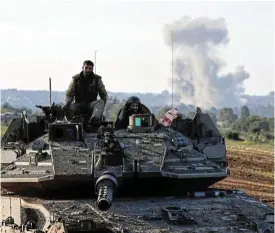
(133, 99)
(133, 104)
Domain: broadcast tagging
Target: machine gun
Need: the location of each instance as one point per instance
(111, 153)
(53, 112)
(46, 109)
(109, 141)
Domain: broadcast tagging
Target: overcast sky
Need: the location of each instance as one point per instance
(51, 38)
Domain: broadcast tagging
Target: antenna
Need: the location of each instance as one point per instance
(172, 70)
(50, 84)
(95, 61)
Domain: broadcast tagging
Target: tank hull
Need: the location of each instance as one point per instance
(81, 186)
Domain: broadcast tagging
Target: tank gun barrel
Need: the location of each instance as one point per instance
(105, 187)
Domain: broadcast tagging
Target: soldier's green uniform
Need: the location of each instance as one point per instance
(84, 91)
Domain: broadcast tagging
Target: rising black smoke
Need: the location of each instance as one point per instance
(197, 70)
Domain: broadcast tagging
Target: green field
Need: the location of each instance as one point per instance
(3, 129)
(245, 144)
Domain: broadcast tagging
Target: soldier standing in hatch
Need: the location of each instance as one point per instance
(84, 89)
(132, 106)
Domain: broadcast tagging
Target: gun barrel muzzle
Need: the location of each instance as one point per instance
(105, 196)
(105, 186)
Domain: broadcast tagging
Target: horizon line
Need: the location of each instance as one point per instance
(269, 93)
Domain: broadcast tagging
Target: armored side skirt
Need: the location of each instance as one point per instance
(83, 185)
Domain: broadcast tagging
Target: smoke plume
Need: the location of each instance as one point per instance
(197, 70)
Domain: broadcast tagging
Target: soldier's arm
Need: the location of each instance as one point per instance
(102, 91)
(70, 94)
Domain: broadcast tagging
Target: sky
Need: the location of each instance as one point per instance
(50, 38)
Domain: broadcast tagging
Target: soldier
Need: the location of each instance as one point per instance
(132, 106)
(84, 89)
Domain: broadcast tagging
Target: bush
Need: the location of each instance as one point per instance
(254, 124)
(233, 135)
(262, 137)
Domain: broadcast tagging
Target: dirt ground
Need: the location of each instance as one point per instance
(251, 170)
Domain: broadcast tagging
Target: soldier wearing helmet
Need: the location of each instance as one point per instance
(132, 106)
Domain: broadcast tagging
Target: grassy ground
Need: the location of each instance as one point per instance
(243, 144)
(246, 144)
(3, 129)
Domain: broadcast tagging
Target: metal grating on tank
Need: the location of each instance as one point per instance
(71, 161)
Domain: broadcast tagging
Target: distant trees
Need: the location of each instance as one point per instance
(227, 117)
(245, 112)
(112, 108)
(260, 110)
(6, 107)
(254, 124)
(255, 128)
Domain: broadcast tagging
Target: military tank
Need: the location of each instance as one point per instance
(143, 156)
(68, 176)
